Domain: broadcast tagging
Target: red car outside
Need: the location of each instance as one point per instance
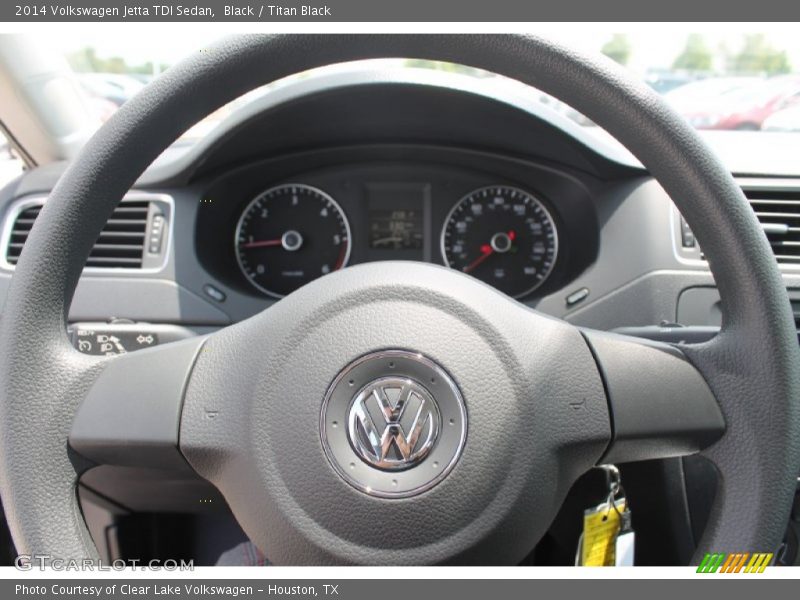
(744, 107)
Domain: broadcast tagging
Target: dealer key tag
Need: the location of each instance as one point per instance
(601, 525)
(608, 537)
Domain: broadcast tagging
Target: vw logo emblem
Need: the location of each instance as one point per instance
(393, 423)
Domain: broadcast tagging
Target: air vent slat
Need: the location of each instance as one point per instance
(113, 261)
(120, 245)
(112, 222)
(132, 208)
(777, 215)
(120, 235)
(762, 201)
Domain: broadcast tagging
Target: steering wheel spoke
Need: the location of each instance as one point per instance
(131, 414)
(660, 404)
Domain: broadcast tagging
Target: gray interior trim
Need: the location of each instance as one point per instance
(164, 200)
(131, 415)
(660, 405)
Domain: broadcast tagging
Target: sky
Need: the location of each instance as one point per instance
(654, 45)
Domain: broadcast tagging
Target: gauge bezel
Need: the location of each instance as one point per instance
(542, 205)
(272, 189)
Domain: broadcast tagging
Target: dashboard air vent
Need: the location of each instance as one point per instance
(120, 245)
(779, 213)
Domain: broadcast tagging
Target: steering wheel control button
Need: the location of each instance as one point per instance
(393, 424)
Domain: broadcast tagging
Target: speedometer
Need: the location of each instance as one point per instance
(502, 235)
(290, 235)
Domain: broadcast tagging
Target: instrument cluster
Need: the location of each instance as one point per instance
(292, 233)
(285, 230)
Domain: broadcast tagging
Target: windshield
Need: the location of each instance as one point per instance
(719, 80)
(10, 163)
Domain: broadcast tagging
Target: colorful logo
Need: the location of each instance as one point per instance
(738, 562)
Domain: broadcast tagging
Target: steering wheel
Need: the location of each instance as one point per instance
(397, 413)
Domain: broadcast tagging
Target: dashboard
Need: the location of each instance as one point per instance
(387, 166)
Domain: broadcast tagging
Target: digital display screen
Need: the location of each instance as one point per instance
(398, 220)
(395, 229)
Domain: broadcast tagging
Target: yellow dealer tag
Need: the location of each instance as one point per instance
(600, 529)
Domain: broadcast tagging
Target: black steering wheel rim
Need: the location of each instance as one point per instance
(752, 362)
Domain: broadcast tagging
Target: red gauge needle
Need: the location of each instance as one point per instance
(262, 244)
(486, 252)
(342, 256)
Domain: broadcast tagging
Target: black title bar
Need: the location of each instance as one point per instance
(440, 11)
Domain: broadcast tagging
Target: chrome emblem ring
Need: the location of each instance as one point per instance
(393, 424)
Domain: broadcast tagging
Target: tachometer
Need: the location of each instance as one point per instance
(290, 235)
(502, 235)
